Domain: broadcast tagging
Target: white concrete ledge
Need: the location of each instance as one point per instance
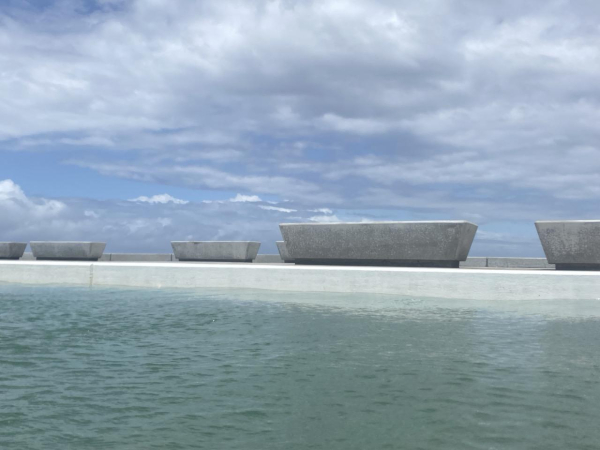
(473, 284)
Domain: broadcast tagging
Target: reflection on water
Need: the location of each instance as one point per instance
(139, 369)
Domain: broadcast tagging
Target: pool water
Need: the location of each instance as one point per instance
(156, 369)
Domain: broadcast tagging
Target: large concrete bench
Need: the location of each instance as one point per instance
(69, 251)
(416, 244)
(12, 250)
(571, 244)
(218, 251)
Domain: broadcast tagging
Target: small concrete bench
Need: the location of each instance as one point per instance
(215, 251)
(571, 244)
(405, 244)
(67, 251)
(12, 250)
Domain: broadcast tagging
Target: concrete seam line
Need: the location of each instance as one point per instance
(91, 275)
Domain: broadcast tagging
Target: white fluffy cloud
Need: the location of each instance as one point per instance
(17, 210)
(161, 198)
(324, 219)
(239, 198)
(139, 225)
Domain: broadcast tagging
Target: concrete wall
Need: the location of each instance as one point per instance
(132, 257)
(473, 284)
(473, 262)
(268, 259)
(507, 263)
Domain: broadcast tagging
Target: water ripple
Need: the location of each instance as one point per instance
(144, 369)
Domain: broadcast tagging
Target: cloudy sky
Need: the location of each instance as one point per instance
(143, 121)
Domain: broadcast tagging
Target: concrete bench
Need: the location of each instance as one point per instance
(69, 251)
(408, 244)
(12, 250)
(217, 251)
(571, 244)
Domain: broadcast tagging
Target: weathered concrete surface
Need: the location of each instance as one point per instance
(12, 250)
(67, 250)
(475, 261)
(473, 284)
(283, 252)
(571, 244)
(507, 263)
(268, 259)
(427, 244)
(225, 251)
(142, 257)
(519, 263)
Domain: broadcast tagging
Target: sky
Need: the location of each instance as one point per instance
(144, 121)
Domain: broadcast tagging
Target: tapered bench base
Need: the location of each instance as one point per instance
(378, 262)
(571, 266)
(218, 260)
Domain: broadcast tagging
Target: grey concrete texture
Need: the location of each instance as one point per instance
(268, 259)
(283, 252)
(225, 251)
(474, 262)
(67, 250)
(506, 263)
(27, 256)
(12, 250)
(426, 243)
(520, 263)
(140, 257)
(571, 242)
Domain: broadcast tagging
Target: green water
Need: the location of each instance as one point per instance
(152, 369)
